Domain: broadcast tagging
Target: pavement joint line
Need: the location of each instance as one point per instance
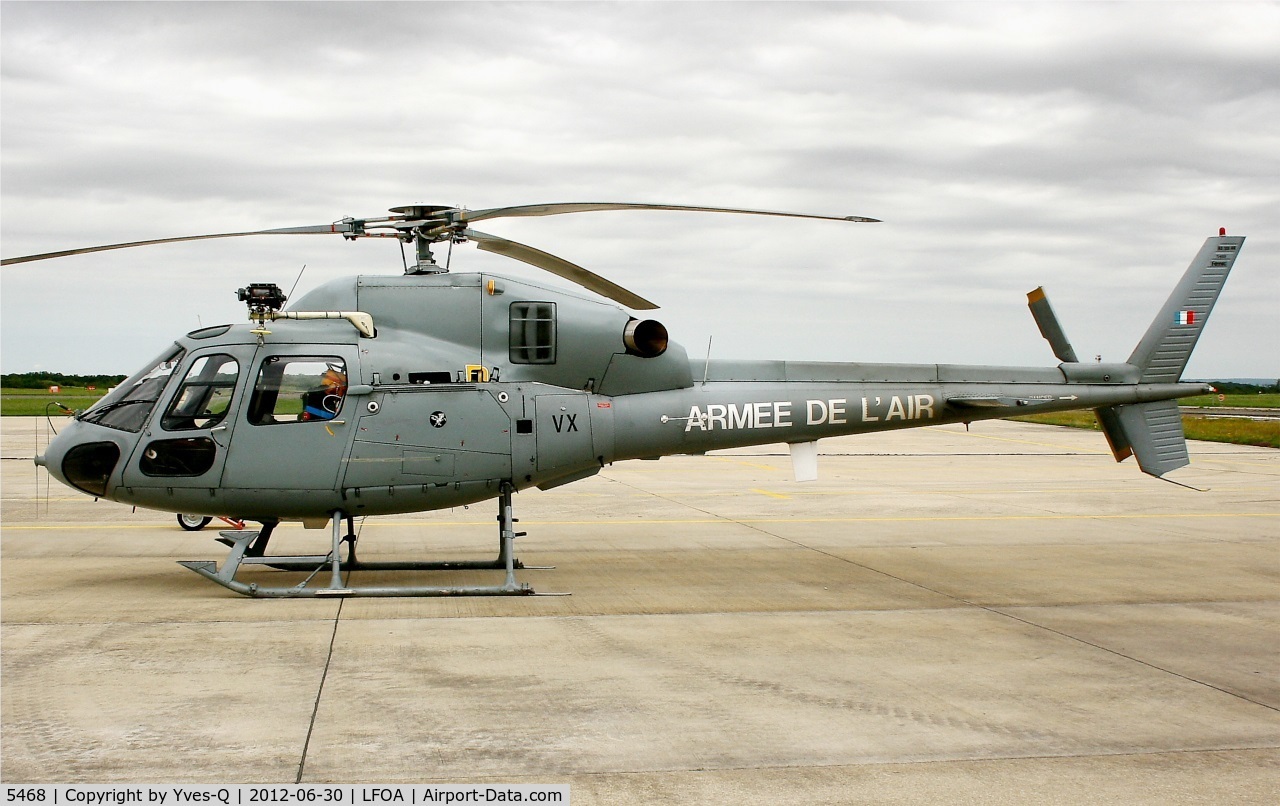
(864, 763)
(996, 611)
(698, 614)
(849, 561)
(1120, 654)
(1085, 451)
(1237, 467)
(990, 608)
(324, 677)
(1174, 751)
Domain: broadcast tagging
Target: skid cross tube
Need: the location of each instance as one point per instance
(248, 548)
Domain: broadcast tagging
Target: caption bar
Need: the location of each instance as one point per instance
(247, 795)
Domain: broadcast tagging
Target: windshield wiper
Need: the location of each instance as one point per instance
(96, 413)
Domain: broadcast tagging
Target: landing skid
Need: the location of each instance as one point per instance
(249, 548)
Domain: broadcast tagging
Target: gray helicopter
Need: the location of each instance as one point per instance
(415, 392)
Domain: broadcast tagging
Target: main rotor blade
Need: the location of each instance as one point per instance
(559, 267)
(466, 216)
(320, 229)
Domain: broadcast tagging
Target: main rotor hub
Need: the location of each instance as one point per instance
(424, 211)
(423, 225)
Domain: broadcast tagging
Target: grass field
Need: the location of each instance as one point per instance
(1238, 431)
(33, 402)
(1263, 401)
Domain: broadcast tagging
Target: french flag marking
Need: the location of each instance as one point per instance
(1184, 318)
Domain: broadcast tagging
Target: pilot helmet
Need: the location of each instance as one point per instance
(334, 380)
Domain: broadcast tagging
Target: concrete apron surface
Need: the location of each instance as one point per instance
(995, 615)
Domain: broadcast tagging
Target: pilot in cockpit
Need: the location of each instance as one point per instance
(323, 403)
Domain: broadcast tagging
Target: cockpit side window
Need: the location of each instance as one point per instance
(294, 389)
(205, 395)
(126, 408)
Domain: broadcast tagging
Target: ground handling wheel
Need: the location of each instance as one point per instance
(193, 523)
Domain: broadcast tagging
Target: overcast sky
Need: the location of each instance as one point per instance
(1088, 148)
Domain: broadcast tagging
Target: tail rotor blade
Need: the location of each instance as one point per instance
(1049, 326)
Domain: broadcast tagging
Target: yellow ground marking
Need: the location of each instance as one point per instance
(772, 494)
(756, 465)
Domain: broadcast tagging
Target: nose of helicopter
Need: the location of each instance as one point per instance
(82, 460)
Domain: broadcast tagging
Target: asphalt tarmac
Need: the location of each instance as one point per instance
(1003, 615)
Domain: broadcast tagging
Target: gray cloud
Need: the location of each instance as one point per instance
(1087, 147)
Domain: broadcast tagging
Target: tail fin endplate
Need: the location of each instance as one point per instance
(1154, 432)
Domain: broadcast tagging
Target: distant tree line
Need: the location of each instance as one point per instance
(1233, 388)
(43, 380)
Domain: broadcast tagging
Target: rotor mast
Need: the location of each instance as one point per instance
(424, 225)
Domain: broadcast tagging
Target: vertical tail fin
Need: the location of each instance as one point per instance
(1153, 431)
(1164, 350)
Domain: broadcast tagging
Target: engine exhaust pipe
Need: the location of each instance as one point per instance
(646, 338)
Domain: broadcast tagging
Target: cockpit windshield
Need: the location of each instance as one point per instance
(127, 406)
